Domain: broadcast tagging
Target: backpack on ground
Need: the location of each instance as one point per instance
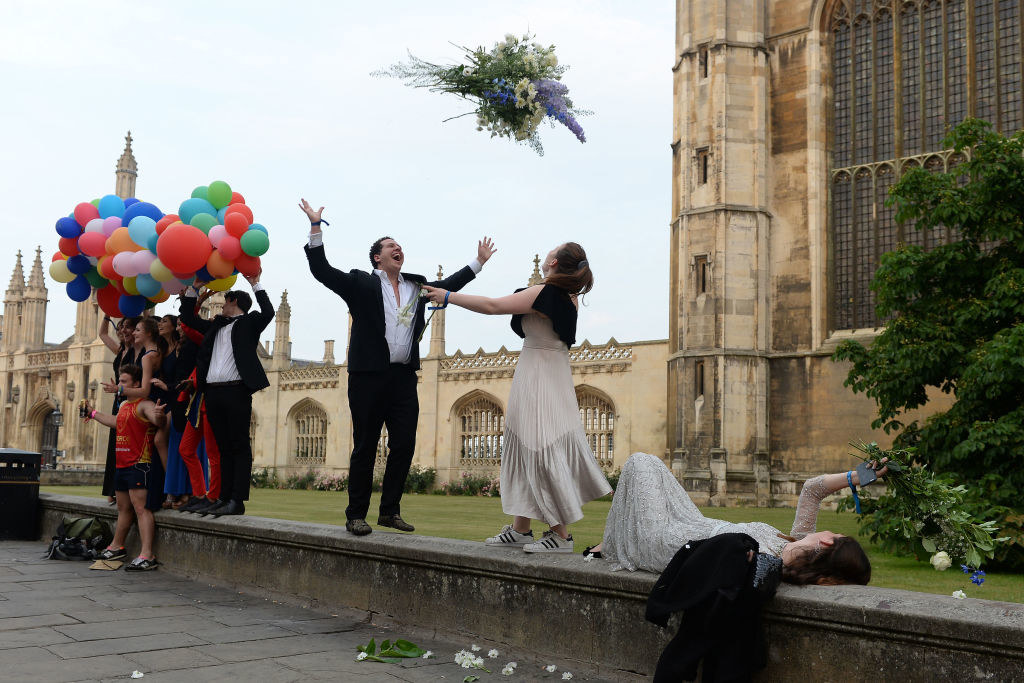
(79, 538)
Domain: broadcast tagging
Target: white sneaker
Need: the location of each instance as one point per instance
(550, 542)
(510, 538)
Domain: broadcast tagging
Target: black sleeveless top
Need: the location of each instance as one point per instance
(555, 303)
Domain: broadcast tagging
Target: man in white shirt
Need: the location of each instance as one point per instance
(387, 320)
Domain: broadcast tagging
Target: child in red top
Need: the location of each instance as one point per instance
(136, 423)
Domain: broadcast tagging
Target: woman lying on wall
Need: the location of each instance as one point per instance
(652, 517)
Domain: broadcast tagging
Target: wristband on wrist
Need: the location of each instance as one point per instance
(853, 489)
(92, 415)
(313, 224)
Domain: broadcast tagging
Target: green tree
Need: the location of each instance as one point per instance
(955, 322)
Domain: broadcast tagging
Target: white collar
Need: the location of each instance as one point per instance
(384, 276)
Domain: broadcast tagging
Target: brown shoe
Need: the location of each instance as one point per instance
(395, 522)
(358, 527)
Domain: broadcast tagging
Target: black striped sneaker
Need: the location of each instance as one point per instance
(510, 538)
(550, 542)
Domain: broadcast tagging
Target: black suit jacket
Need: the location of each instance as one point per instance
(368, 350)
(245, 337)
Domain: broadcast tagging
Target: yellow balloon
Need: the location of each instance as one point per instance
(59, 271)
(160, 272)
(129, 285)
(223, 284)
(160, 297)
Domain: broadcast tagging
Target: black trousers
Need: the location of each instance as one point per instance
(229, 410)
(377, 399)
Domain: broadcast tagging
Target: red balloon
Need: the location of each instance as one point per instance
(93, 243)
(183, 248)
(164, 222)
(105, 266)
(68, 245)
(85, 212)
(247, 265)
(107, 297)
(238, 208)
(236, 198)
(230, 248)
(57, 256)
(236, 224)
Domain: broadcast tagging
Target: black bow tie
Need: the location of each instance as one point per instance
(224, 320)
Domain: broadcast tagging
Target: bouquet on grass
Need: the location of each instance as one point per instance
(923, 512)
(515, 85)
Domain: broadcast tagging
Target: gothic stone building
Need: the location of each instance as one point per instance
(792, 119)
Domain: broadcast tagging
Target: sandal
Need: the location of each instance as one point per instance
(180, 503)
(589, 551)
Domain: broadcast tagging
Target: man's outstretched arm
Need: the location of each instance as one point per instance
(335, 280)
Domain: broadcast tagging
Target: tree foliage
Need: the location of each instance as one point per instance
(955, 322)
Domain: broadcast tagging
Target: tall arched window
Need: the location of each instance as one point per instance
(904, 73)
(598, 416)
(479, 424)
(381, 461)
(309, 428)
(253, 426)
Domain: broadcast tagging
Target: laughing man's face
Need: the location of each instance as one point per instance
(390, 253)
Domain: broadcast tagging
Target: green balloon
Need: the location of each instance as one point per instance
(204, 221)
(96, 203)
(219, 194)
(95, 279)
(201, 192)
(255, 242)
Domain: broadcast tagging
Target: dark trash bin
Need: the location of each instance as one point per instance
(19, 494)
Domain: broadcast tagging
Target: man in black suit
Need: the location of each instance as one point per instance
(387, 320)
(228, 373)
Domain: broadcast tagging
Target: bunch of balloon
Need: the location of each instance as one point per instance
(214, 238)
(105, 245)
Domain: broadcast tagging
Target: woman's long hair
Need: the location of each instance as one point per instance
(175, 334)
(149, 326)
(572, 272)
(843, 562)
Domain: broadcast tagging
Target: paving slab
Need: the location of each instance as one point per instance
(57, 670)
(173, 659)
(98, 615)
(120, 646)
(135, 627)
(31, 637)
(14, 623)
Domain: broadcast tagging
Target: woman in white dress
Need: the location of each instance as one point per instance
(652, 517)
(547, 468)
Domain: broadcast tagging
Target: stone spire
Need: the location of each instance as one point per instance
(329, 351)
(282, 342)
(33, 326)
(127, 170)
(17, 285)
(437, 328)
(13, 308)
(535, 276)
(36, 280)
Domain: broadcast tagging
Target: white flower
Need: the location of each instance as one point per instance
(501, 45)
(508, 670)
(137, 674)
(567, 676)
(941, 561)
(588, 557)
(509, 38)
(959, 595)
(476, 648)
(550, 668)
(493, 654)
(513, 664)
(361, 656)
(428, 654)
(467, 664)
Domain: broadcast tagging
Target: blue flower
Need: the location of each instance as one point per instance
(978, 578)
(965, 569)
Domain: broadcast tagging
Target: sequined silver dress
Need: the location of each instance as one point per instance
(652, 517)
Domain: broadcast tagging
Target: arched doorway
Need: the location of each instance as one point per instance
(48, 442)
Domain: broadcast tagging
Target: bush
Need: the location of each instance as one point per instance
(330, 482)
(420, 479)
(300, 482)
(613, 478)
(471, 485)
(264, 478)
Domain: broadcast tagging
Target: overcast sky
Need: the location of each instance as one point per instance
(276, 98)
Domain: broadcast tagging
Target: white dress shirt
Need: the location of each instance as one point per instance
(222, 362)
(398, 335)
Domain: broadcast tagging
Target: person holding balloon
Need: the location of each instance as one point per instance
(123, 347)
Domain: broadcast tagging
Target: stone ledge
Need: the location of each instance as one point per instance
(581, 610)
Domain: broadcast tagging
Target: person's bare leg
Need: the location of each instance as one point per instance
(125, 517)
(561, 530)
(161, 439)
(521, 524)
(147, 525)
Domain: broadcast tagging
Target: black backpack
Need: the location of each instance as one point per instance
(79, 538)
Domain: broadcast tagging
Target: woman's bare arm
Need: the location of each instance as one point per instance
(520, 302)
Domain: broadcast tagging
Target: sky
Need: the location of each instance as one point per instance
(277, 99)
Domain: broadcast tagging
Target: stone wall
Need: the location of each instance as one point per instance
(562, 605)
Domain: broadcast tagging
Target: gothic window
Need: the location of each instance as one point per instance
(598, 416)
(903, 73)
(253, 424)
(309, 427)
(480, 423)
(381, 461)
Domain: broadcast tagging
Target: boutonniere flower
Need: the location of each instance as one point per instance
(405, 315)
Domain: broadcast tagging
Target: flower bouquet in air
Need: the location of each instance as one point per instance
(515, 86)
(922, 512)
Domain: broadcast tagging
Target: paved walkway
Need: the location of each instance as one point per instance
(61, 621)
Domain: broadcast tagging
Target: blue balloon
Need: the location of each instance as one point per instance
(131, 200)
(79, 289)
(220, 215)
(141, 229)
(131, 305)
(141, 209)
(152, 242)
(111, 205)
(68, 227)
(257, 226)
(79, 265)
(147, 285)
(204, 275)
(190, 207)
(189, 280)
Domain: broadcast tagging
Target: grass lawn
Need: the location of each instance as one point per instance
(473, 519)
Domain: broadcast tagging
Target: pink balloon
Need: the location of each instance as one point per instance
(141, 260)
(216, 234)
(230, 248)
(85, 212)
(95, 225)
(173, 287)
(123, 264)
(93, 243)
(110, 225)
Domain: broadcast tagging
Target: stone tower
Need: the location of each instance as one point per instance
(437, 328)
(718, 331)
(282, 341)
(13, 301)
(33, 327)
(127, 170)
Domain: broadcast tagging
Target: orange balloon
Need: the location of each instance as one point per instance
(219, 266)
(160, 297)
(236, 224)
(239, 208)
(120, 241)
(105, 266)
(183, 248)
